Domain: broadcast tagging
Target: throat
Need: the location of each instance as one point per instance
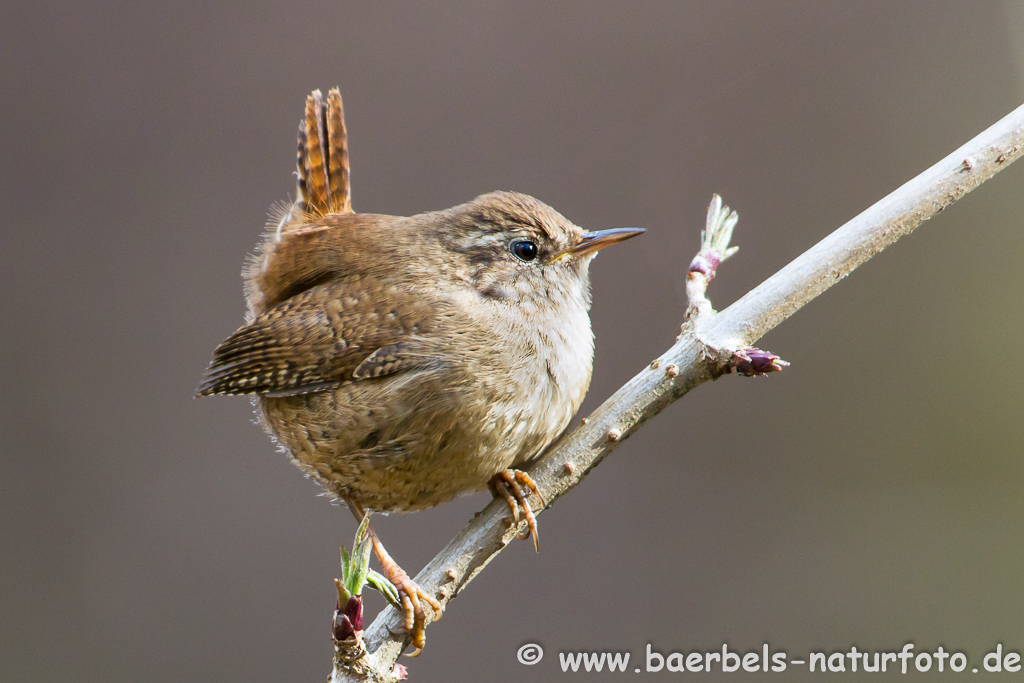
(562, 348)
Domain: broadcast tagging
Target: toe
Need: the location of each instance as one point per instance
(528, 480)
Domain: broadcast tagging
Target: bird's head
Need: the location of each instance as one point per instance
(516, 249)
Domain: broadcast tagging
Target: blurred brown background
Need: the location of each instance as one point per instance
(869, 495)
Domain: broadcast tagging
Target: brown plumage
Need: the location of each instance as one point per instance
(405, 361)
(323, 156)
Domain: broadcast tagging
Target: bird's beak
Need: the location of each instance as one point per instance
(595, 241)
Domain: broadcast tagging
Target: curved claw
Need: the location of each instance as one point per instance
(531, 521)
(507, 484)
(412, 597)
(502, 490)
(409, 592)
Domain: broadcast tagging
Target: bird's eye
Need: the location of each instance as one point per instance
(524, 250)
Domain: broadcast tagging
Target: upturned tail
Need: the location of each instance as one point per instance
(323, 157)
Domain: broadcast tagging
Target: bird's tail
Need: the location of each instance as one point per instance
(323, 157)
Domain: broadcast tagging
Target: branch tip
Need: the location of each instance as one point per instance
(714, 248)
(754, 362)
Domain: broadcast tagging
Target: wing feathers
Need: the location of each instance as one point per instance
(385, 361)
(300, 346)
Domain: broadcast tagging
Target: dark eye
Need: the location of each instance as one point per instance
(524, 250)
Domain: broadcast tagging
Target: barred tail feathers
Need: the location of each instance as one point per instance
(322, 157)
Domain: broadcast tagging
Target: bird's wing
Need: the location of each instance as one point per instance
(317, 340)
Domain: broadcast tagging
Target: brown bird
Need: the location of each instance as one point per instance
(405, 361)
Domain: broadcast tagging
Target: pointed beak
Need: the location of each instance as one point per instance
(595, 241)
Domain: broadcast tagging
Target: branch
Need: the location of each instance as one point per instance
(709, 345)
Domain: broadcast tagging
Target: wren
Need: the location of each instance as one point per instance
(402, 362)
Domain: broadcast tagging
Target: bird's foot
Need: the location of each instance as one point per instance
(412, 598)
(410, 595)
(506, 484)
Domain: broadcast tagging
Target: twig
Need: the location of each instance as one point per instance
(706, 348)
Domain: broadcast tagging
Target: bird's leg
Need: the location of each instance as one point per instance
(506, 484)
(408, 590)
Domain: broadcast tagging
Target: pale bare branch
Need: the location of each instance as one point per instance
(705, 349)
